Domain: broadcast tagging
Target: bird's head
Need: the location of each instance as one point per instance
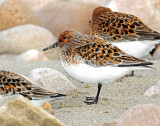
(64, 38)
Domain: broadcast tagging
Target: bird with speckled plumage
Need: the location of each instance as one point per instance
(93, 60)
(125, 31)
(15, 84)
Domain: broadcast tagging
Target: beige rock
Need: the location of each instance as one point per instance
(32, 55)
(136, 7)
(156, 54)
(13, 13)
(99, 2)
(36, 5)
(2, 1)
(24, 37)
(154, 7)
(18, 111)
(141, 115)
(154, 90)
(61, 15)
(111, 4)
(51, 80)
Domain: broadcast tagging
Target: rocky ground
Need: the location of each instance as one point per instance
(27, 26)
(115, 98)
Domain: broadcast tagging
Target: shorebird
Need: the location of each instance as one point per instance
(93, 60)
(125, 31)
(14, 84)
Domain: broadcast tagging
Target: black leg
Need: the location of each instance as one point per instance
(98, 92)
(94, 100)
(130, 75)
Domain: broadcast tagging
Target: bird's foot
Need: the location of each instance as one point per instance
(91, 100)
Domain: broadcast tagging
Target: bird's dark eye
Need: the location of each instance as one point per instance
(64, 37)
(90, 21)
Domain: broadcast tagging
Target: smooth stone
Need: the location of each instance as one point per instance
(32, 55)
(51, 79)
(58, 16)
(24, 37)
(141, 115)
(13, 13)
(36, 5)
(98, 2)
(154, 90)
(18, 111)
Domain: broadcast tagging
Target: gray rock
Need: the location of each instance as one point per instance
(141, 115)
(24, 37)
(51, 80)
(32, 55)
(154, 90)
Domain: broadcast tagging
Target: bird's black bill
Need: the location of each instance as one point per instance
(54, 45)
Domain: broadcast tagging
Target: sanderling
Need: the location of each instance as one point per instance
(93, 60)
(125, 31)
(14, 84)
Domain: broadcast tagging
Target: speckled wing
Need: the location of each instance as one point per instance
(100, 53)
(115, 26)
(12, 83)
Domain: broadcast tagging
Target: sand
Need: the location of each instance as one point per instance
(115, 98)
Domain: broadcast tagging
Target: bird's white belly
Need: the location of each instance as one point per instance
(136, 48)
(93, 75)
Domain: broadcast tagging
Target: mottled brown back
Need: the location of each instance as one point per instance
(115, 26)
(12, 83)
(96, 52)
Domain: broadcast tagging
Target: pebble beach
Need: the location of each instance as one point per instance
(27, 26)
(115, 98)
